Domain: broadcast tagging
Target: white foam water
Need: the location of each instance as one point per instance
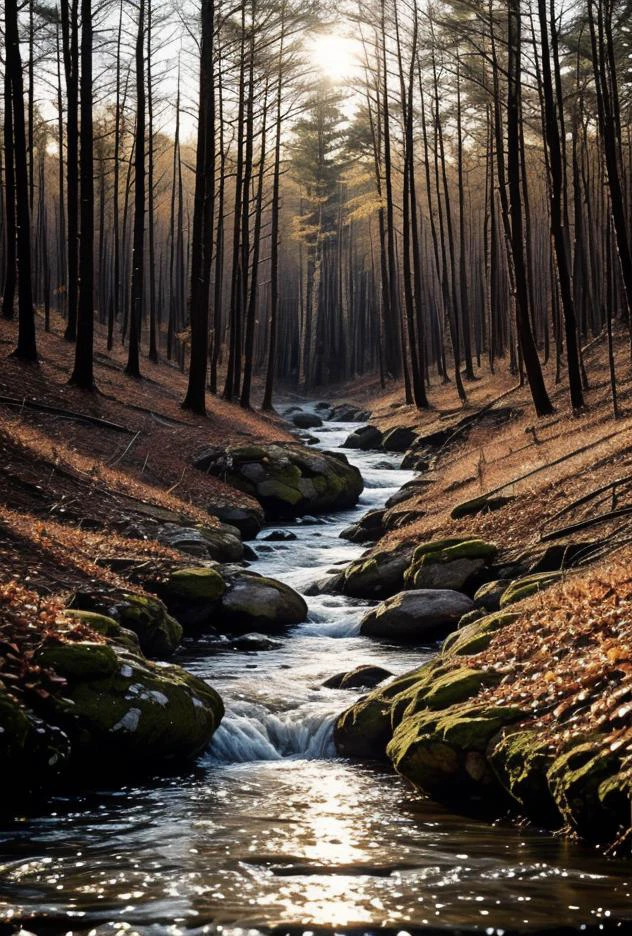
(252, 733)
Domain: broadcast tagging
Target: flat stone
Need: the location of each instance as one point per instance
(417, 615)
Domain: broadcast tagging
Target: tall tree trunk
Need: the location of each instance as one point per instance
(132, 368)
(83, 375)
(26, 348)
(202, 241)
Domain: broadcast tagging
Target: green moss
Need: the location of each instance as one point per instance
(273, 488)
(79, 660)
(443, 753)
(477, 636)
(198, 584)
(521, 760)
(525, 587)
(435, 546)
(576, 778)
(107, 627)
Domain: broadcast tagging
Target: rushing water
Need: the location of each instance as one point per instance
(272, 830)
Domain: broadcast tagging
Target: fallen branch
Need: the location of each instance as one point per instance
(552, 464)
(62, 413)
(585, 524)
(126, 450)
(586, 498)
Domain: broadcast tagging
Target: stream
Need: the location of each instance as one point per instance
(272, 831)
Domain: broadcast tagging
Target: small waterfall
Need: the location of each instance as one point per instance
(252, 733)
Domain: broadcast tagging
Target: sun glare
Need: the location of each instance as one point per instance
(334, 56)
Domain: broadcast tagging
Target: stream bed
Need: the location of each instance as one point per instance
(272, 831)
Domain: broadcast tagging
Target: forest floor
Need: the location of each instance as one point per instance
(77, 467)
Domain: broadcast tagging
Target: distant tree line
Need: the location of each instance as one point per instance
(462, 202)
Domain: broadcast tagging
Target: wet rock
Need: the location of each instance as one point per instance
(398, 439)
(443, 753)
(331, 584)
(344, 412)
(305, 420)
(147, 617)
(377, 576)
(222, 543)
(521, 760)
(126, 715)
(365, 729)
(592, 792)
(248, 520)
(367, 530)
(365, 438)
(363, 677)
(192, 596)
(288, 480)
(252, 643)
(254, 601)
(278, 536)
(419, 616)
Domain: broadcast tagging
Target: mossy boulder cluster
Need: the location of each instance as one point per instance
(110, 713)
(443, 733)
(288, 480)
(217, 600)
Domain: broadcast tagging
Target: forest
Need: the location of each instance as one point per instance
(200, 183)
(316, 467)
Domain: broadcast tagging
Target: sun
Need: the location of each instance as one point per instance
(336, 57)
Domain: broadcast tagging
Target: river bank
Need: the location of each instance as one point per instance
(268, 827)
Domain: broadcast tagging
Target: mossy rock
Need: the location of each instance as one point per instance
(521, 760)
(197, 584)
(477, 636)
(467, 549)
(253, 601)
(107, 627)
(378, 576)
(156, 631)
(488, 596)
(580, 779)
(364, 729)
(81, 660)
(124, 714)
(479, 505)
(441, 687)
(435, 546)
(444, 753)
(525, 587)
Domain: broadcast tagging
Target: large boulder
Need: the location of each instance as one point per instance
(288, 480)
(303, 420)
(419, 616)
(345, 412)
(124, 714)
(398, 439)
(377, 576)
(147, 617)
(248, 520)
(221, 543)
(444, 753)
(365, 729)
(252, 601)
(192, 595)
(476, 636)
(450, 563)
(365, 438)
